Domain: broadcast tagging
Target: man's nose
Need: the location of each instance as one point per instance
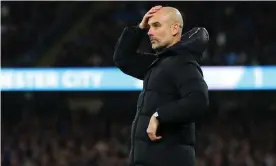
(150, 33)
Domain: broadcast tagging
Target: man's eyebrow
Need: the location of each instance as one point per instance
(155, 23)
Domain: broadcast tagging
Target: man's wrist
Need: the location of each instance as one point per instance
(141, 29)
(156, 115)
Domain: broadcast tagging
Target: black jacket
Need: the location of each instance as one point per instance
(173, 85)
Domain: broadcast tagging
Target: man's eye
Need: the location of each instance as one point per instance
(156, 25)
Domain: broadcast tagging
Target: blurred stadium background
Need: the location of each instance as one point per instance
(91, 127)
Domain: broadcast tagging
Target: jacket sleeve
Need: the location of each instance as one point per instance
(194, 97)
(126, 57)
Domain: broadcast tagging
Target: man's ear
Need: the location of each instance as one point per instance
(175, 29)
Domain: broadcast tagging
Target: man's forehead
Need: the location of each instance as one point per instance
(152, 20)
(156, 18)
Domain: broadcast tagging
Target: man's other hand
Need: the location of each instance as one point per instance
(152, 128)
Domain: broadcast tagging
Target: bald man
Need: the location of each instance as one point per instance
(174, 92)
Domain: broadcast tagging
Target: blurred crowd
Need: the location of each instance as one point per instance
(235, 141)
(241, 33)
(23, 24)
(231, 137)
(57, 141)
